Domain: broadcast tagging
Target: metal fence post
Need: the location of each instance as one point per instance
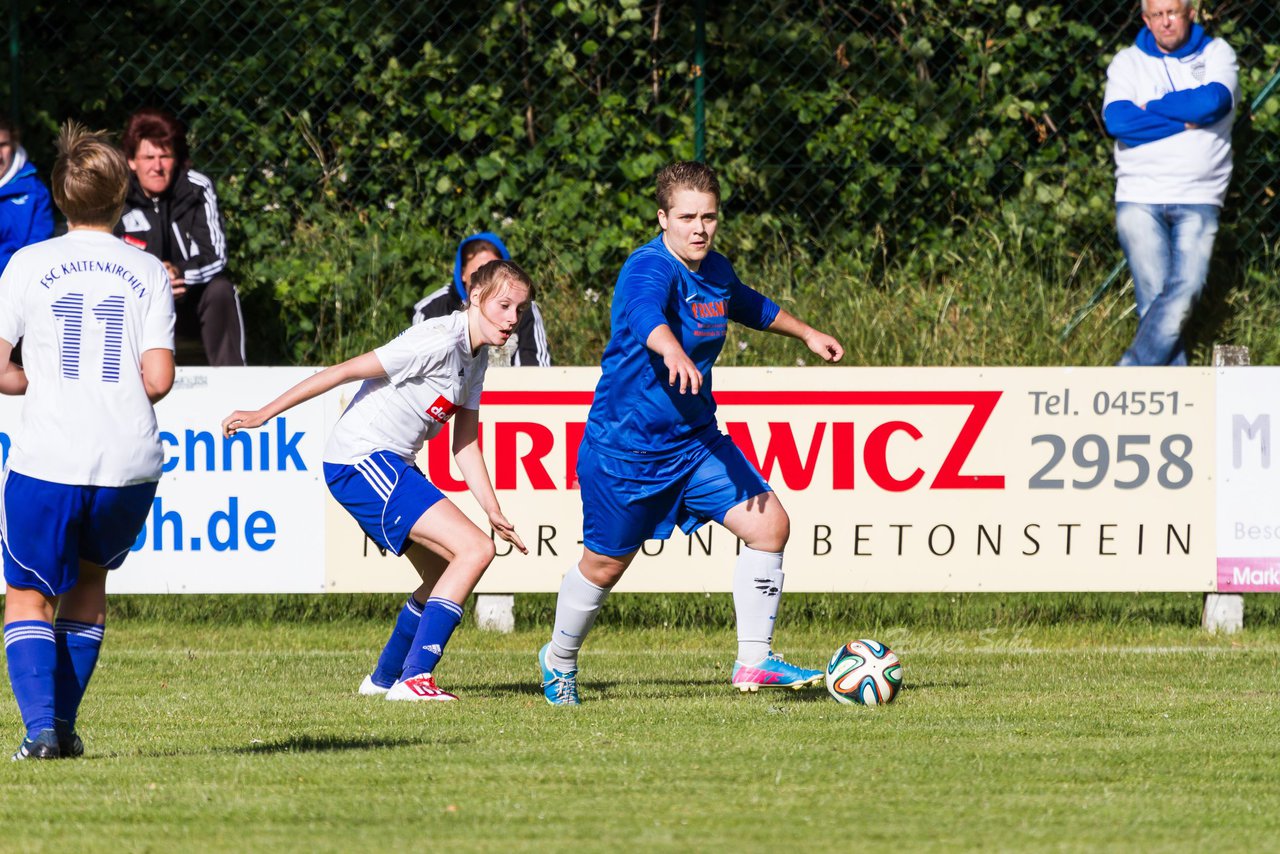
(699, 84)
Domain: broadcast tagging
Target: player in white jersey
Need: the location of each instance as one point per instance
(413, 386)
(95, 318)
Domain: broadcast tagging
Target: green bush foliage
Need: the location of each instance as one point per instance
(868, 151)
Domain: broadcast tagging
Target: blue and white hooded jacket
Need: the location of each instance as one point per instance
(531, 347)
(26, 213)
(1151, 99)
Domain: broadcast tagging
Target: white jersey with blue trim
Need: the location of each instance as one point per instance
(431, 373)
(86, 306)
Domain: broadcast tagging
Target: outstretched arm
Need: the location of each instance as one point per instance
(466, 450)
(819, 342)
(362, 367)
(680, 368)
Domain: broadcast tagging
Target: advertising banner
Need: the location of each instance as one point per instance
(240, 515)
(895, 479)
(1248, 484)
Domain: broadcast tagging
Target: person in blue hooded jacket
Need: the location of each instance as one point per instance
(1169, 104)
(26, 214)
(529, 343)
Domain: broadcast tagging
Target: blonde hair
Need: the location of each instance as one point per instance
(491, 278)
(90, 176)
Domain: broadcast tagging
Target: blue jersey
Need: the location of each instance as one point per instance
(635, 412)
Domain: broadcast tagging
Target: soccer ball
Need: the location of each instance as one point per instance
(865, 672)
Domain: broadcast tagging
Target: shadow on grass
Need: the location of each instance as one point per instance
(604, 688)
(335, 743)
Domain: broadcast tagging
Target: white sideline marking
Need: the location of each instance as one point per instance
(666, 652)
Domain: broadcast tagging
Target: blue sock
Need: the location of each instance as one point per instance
(78, 647)
(391, 662)
(439, 618)
(32, 657)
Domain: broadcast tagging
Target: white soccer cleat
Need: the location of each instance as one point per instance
(369, 688)
(418, 688)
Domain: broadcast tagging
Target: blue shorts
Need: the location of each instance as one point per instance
(48, 528)
(386, 495)
(625, 502)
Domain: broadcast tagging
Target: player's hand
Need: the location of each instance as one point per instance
(175, 279)
(681, 370)
(239, 420)
(825, 346)
(506, 530)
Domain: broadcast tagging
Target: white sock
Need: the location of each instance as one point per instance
(576, 608)
(757, 591)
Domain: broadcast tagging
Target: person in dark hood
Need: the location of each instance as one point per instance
(529, 344)
(172, 213)
(26, 214)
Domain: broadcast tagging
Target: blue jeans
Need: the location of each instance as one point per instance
(1168, 249)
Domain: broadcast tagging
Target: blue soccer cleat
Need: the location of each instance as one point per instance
(773, 672)
(560, 689)
(43, 746)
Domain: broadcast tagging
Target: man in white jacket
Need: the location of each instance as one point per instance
(1169, 103)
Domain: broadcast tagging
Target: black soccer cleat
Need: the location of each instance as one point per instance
(70, 745)
(43, 746)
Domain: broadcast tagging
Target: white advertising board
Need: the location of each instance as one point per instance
(1248, 483)
(230, 516)
(895, 479)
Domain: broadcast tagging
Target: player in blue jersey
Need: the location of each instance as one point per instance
(95, 318)
(413, 385)
(653, 456)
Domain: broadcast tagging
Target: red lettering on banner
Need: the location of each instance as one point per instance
(949, 477)
(440, 461)
(875, 456)
(508, 454)
(982, 403)
(842, 453)
(573, 431)
(782, 450)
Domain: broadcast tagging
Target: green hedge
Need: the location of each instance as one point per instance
(355, 143)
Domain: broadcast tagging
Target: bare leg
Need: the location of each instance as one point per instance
(445, 531)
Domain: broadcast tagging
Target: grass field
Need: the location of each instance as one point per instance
(250, 736)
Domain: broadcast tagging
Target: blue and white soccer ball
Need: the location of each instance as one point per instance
(865, 672)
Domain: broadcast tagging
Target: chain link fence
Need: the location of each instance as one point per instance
(874, 131)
